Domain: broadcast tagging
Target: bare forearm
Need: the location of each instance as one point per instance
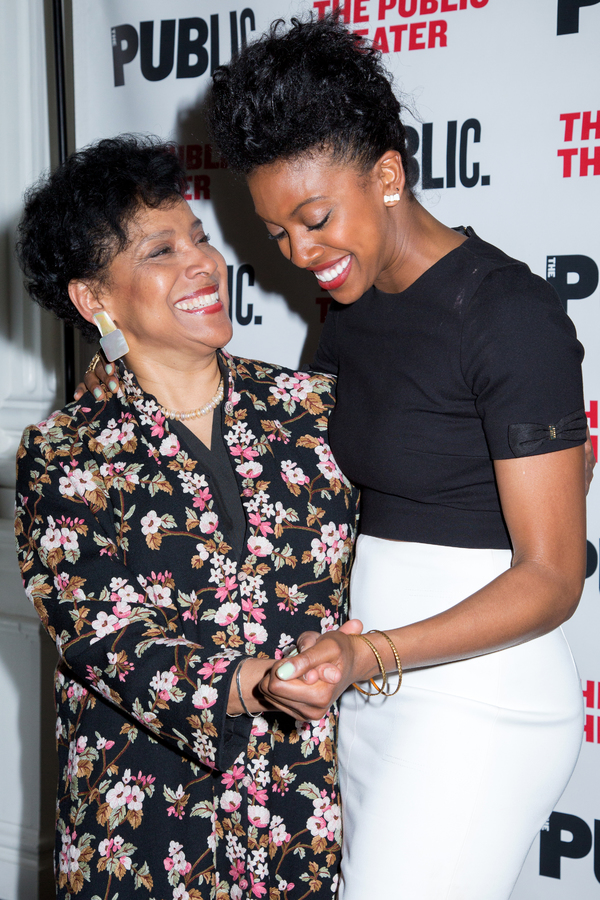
(523, 603)
(543, 502)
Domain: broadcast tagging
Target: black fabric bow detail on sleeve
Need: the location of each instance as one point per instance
(531, 439)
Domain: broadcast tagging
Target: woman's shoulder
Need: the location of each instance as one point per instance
(477, 260)
(268, 374)
(279, 397)
(501, 282)
(66, 426)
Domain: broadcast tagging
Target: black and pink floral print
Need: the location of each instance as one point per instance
(122, 551)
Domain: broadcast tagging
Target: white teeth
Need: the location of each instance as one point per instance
(328, 275)
(198, 302)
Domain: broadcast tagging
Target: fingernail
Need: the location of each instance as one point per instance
(112, 385)
(97, 393)
(286, 671)
(109, 368)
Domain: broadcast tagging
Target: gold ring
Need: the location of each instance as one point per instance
(96, 358)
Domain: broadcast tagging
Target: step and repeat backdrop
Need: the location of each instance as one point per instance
(502, 102)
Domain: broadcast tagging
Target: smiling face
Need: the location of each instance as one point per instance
(167, 291)
(332, 220)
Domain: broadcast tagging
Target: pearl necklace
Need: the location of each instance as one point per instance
(195, 413)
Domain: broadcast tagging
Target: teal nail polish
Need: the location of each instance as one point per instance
(109, 368)
(97, 393)
(286, 671)
(113, 385)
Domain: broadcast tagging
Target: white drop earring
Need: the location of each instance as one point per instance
(112, 339)
(391, 198)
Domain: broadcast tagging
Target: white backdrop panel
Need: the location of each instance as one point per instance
(503, 101)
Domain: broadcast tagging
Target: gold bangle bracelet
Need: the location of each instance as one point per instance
(378, 690)
(396, 657)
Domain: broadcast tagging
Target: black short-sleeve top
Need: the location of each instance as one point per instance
(475, 361)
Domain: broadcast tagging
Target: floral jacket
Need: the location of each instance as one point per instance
(121, 551)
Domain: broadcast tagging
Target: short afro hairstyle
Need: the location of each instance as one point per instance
(77, 218)
(316, 86)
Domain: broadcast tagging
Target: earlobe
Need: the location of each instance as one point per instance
(84, 299)
(112, 339)
(392, 178)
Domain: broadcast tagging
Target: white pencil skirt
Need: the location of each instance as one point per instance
(445, 785)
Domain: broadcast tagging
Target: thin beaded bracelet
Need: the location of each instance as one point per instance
(396, 657)
(378, 690)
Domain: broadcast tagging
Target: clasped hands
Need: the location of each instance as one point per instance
(305, 686)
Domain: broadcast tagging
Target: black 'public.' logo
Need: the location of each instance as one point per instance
(189, 37)
(553, 848)
(567, 20)
(458, 149)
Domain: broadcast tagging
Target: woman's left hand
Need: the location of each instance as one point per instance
(98, 375)
(306, 685)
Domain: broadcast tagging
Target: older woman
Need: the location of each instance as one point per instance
(460, 413)
(175, 539)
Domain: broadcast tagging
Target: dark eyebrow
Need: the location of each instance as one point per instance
(299, 207)
(156, 235)
(305, 202)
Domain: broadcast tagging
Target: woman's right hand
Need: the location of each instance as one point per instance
(96, 378)
(306, 685)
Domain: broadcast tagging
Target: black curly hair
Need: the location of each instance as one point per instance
(316, 86)
(77, 218)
